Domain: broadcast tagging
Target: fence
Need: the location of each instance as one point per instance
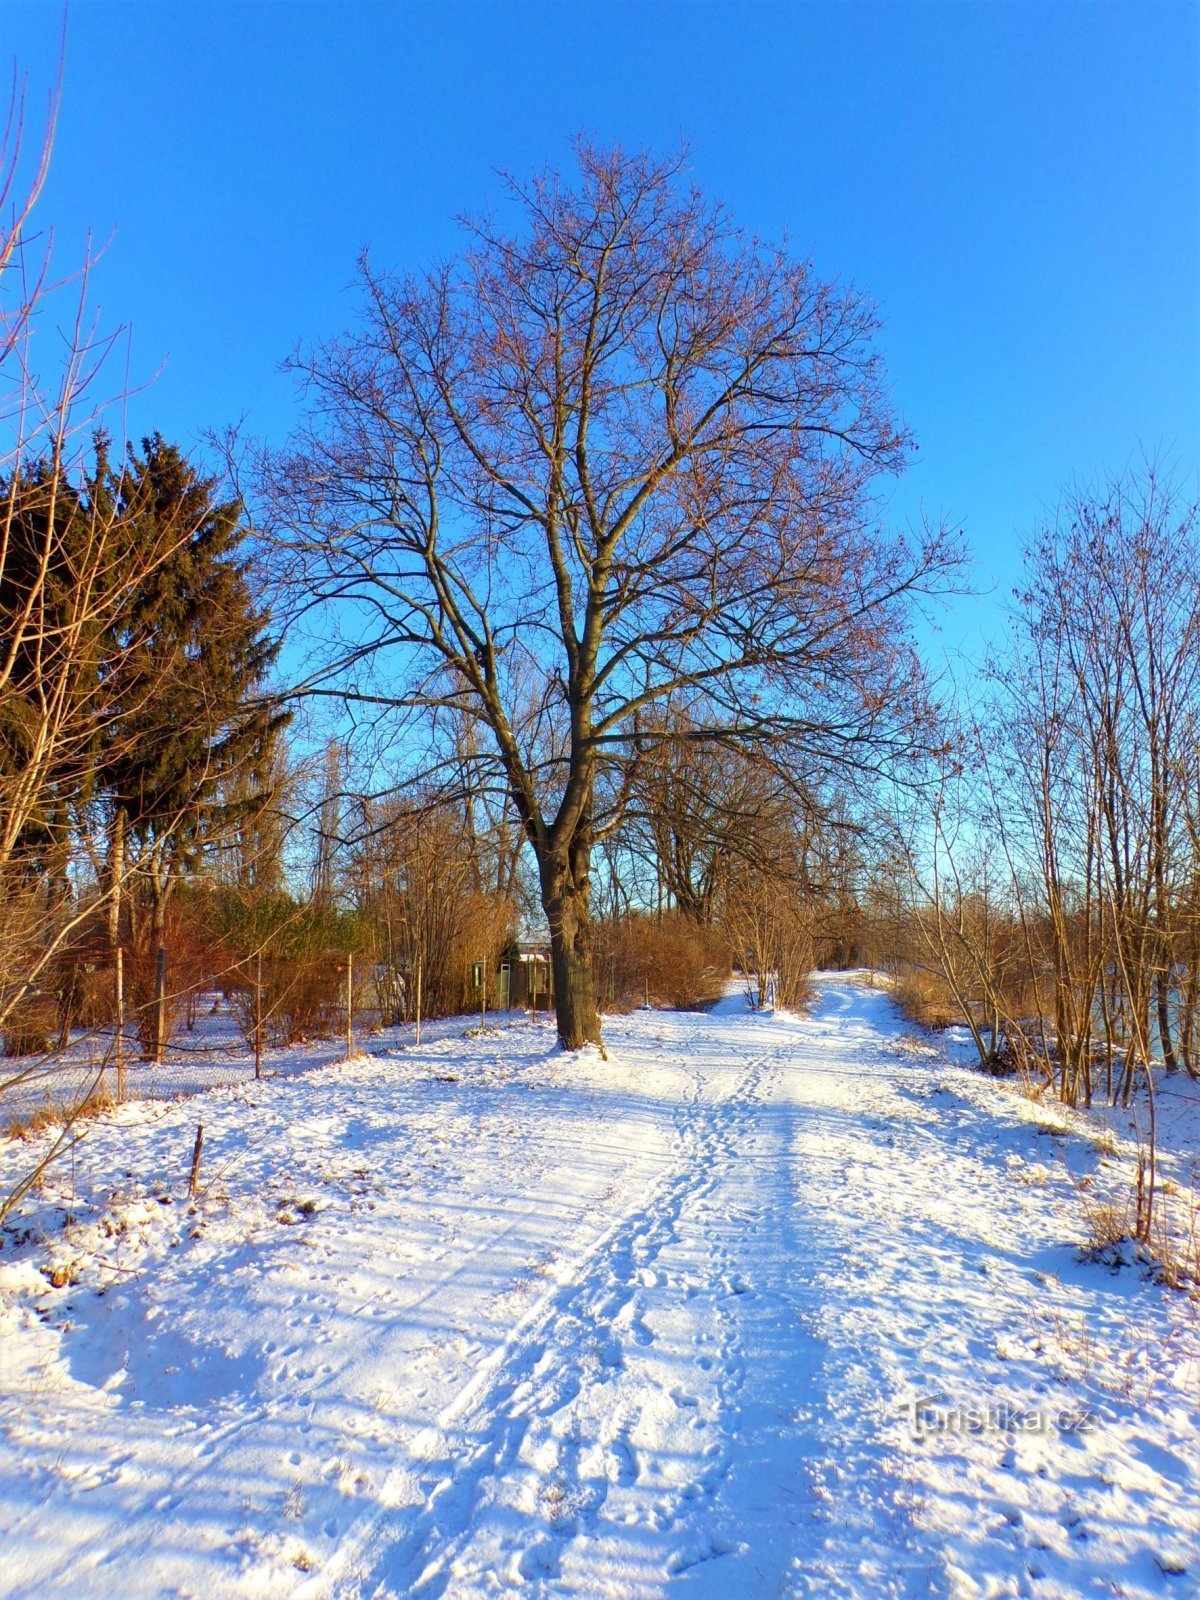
(129, 1026)
(137, 1025)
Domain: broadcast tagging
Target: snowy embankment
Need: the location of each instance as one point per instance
(722, 1315)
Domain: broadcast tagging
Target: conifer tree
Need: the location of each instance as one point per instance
(50, 631)
(190, 659)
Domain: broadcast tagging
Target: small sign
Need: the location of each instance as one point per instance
(477, 974)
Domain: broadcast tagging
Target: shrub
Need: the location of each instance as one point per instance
(670, 960)
(300, 950)
(925, 998)
(771, 927)
(302, 998)
(31, 1026)
(196, 962)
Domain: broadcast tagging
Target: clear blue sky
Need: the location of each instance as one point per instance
(1016, 184)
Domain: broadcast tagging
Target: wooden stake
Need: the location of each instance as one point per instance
(194, 1180)
(349, 1006)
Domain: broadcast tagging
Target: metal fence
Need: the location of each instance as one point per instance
(129, 1028)
(141, 1025)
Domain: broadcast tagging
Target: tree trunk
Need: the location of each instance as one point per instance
(116, 874)
(160, 889)
(565, 902)
(1162, 989)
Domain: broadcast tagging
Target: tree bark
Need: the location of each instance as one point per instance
(1162, 991)
(116, 874)
(565, 902)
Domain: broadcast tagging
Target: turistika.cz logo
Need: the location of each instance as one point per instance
(936, 1413)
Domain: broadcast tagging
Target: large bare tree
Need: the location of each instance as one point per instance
(614, 453)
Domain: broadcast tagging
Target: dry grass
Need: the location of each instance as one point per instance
(925, 999)
(1107, 1219)
(1176, 1251)
(912, 1046)
(54, 1114)
(1074, 1347)
(1105, 1143)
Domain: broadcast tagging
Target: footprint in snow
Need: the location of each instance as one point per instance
(540, 1561)
(693, 1555)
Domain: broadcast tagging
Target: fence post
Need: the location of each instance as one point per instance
(197, 1148)
(120, 975)
(258, 1015)
(483, 969)
(160, 1001)
(418, 1000)
(349, 1005)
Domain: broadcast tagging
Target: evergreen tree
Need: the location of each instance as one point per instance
(191, 737)
(52, 621)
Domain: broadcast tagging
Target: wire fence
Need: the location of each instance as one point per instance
(131, 1027)
(138, 1025)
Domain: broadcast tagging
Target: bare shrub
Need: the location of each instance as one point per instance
(29, 1026)
(670, 961)
(302, 998)
(305, 1003)
(195, 963)
(425, 897)
(772, 929)
(925, 999)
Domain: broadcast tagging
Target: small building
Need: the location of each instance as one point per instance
(524, 979)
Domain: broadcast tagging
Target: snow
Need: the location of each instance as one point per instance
(1105, 1142)
(214, 1054)
(722, 1315)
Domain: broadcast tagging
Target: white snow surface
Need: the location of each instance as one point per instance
(484, 1318)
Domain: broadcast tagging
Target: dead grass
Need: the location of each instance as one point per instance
(925, 999)
(1105, 1143)
(1176, 1251)
(912, 1046)
(54, 1114)
(1108, 1220)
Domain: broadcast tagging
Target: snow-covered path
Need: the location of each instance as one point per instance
(484, 1320)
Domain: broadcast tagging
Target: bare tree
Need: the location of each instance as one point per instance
(63, 571)
(621, 454)
(61, 575)
(699, 811)
(415, 876)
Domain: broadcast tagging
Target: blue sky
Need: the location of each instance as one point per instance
(1017, 185)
